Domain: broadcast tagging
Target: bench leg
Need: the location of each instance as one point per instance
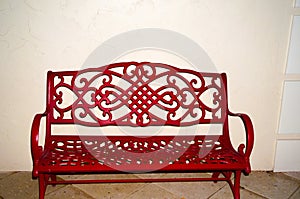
(42, 186)
(53, 179)
(237, 180)
(235, 188)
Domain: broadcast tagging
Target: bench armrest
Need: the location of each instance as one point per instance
(36, 150)
(249, 135)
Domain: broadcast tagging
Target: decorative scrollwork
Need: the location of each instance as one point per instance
(139, 94)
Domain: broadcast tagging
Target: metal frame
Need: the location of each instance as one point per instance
(64, 154)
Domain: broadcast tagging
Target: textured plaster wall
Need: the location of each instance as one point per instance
(247, 39)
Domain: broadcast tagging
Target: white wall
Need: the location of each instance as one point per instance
(247, 39)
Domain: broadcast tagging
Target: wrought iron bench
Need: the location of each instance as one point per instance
(138, 117)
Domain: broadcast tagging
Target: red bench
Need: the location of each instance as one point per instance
(138, 117)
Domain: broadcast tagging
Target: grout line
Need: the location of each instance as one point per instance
(294, 192)
(68, 185)
(73, 187)
(58, 188)
(217, 191)
(173, 193)
(82, 191)
(241, 188)
(78, 188)
(137, 189)
(291, 177)
(157, 184)
(61, 186)
(179, 193)
(10, 174)
(257, 194)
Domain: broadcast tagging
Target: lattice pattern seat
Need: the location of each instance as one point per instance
(138, 154)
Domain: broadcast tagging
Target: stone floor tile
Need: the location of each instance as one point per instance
(191, 190)
(295, 175)
(69, 192)
(97, 176)
(5, 174)
(270, 185)
(21, 185)
(296, 195)
(18, 185)
(150, 175)
(226, 192)
(256, 185)
(70, 177)
(109, 190)
(151, 191)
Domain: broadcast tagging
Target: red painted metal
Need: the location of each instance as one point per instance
(127, 94)
(139, 95)
(137, 180)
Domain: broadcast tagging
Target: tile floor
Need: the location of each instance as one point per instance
(19, 185)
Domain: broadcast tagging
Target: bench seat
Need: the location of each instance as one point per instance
(117, 153)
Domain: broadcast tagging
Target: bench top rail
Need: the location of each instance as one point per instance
(136, 94)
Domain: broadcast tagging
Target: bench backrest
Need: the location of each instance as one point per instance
(136, 94)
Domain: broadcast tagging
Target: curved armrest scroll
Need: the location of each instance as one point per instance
(36, 150)
(249, 132)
